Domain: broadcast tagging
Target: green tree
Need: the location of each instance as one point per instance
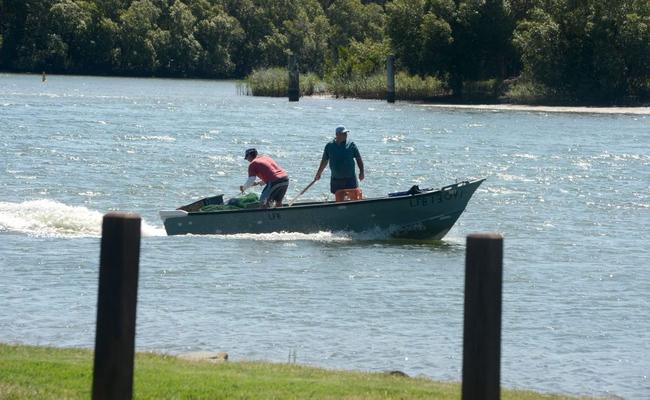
(184, 50)
(619, 41)
(421, 34)
(25, 35)
(634, 37)
(539, 40)
(437, 39)
(352, 20)
(276, 28)
(589, 49)
(404, 20)
(137, 33)
(106, 54)
(359, 60)
(112, 9)
(255, 26)
(219, 34)
(2, 28)
(69, 36)
(307, 37)
(482, 32)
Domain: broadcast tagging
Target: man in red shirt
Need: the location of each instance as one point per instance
(272, 175)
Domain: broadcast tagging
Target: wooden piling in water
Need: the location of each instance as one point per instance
(390, 79)
(482, 326)
(116, 307)
(294, 79)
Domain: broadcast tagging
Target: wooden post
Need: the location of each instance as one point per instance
(116, 305)
(390, 79)
(294, 79)
(482, 331)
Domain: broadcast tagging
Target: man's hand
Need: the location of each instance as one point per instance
(361, 175)
(241, 188)
(317, 177)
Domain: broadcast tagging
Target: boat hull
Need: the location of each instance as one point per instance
(426, 215)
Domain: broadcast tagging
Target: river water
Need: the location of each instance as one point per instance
(569, 192)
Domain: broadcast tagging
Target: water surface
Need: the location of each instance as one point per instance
(569, 192)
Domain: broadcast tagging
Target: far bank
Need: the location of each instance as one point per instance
(402, 86)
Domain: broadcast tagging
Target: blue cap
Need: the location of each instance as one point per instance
(341, 129)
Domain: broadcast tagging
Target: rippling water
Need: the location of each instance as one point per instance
(569, 192)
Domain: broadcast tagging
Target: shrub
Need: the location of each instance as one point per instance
(414, 87)
(488, 89)
(527, 92)
(407, 87)
(274, 82)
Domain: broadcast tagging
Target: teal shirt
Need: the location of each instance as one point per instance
(341, 158)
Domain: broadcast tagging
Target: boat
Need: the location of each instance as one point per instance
(413, 214)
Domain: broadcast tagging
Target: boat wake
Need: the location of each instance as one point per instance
(48, 218)
(290, 236)
(371, 235)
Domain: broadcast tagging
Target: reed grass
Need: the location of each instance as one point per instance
(407, 87)
(482, 90)
(526, 92)
(274, 82)
(44, 373)
(413, 87)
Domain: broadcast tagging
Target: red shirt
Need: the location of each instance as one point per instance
(266, 169)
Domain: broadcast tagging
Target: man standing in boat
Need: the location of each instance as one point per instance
(271, 174)
(341, 154)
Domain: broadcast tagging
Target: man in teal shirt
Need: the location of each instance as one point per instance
(341, 154)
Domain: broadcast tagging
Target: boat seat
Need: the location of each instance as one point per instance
(348, 194)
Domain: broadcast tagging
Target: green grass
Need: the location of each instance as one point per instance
(413, 87)
(481, 90)
(407, 87)
(28, 372)
(523, 91)
(274, 82)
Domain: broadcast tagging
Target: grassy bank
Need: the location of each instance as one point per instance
(28, 372)
(407, 87)
(274, 82)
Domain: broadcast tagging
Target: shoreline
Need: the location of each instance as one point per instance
(640, 110)
(544, 109)
(632, 110)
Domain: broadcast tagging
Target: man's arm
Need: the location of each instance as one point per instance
(321, 168)
(250, 182)
(360, 165)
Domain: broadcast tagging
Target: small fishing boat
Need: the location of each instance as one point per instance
(416, 213)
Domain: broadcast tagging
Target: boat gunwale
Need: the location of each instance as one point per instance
(315, 205)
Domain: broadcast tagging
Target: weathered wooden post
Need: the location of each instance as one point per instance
(390, 79)
(294, 79)
(482, 331)
(116, 305)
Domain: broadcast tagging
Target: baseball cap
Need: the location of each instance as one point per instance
(249, 152)
(341, 129)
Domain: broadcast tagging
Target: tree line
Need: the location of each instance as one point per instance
(584, 49)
